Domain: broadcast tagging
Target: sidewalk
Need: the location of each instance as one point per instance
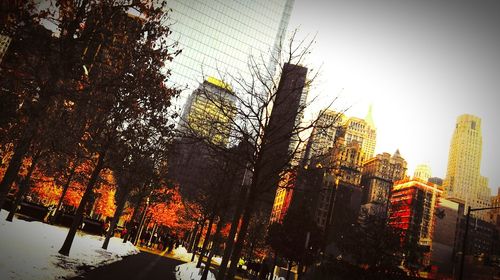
(186, 258)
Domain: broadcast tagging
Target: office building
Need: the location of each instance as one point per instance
(323, 136)
(362, 131)
(463, 182)
(379, 175)
(217, 37)
(445, 239)
(412, 209)
(278, 135)
(210, 111)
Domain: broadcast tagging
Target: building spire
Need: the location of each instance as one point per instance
(369, 117)
(397, 153)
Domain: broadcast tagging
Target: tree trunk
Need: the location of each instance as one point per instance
(192, 236)
(66, 247)
(300, 268)
(65, 189)
(275, 261)
(197, 240)
(23, 188)
(135, 213)
(288, 270)
(142, 222)
(232, 234)
(118, 213)
(13, 169)
(247, 215)
(207, 239)
(215, 245)
(149, 243)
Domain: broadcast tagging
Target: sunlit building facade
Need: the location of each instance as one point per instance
(413, 205)
(423, 172)
(379, 175)
(463, 182)
(342, 191)
(217, 37)
(283, 198)
(322, 138)
(209, 110)
(361, 131)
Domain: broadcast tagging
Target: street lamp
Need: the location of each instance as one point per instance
(462, 259)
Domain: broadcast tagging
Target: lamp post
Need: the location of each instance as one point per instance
(462, 258)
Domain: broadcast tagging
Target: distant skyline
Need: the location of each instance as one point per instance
(420, 63)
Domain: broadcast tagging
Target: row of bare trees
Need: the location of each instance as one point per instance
(256, 150)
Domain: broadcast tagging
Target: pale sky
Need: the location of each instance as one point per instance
(420, 63)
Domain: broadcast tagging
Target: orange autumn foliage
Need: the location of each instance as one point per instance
(171, 213)
(105, 202)
(46, 190)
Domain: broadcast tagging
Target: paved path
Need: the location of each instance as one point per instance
(137, 267)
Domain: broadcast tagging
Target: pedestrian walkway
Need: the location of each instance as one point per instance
(143, 266)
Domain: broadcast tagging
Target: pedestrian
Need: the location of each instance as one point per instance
(123, 234)
(50, 213)
(105, 228)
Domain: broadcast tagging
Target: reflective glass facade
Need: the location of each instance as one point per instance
(221, 34)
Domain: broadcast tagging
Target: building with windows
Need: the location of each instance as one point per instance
(463, 182)
(218, 37)
(209, 111)
(283, 197)
(323, 136)
(362, 131)
(339, 201)
(412, 209)
(379, 175)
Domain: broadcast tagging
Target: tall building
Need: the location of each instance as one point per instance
(371, 135)
(423, 172)
(412, 209)
(323, 136)
(217, 37)
(379, 175)
(209, 110)
(280, 131)
(463, 182)
(339, 202)
(444, 240)
(359, 130)
(356, 129)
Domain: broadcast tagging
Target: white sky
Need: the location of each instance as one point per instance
(420, 63)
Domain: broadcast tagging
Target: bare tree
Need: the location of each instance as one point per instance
(265, 117)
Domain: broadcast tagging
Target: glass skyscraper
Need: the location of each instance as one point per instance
(218, 36)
